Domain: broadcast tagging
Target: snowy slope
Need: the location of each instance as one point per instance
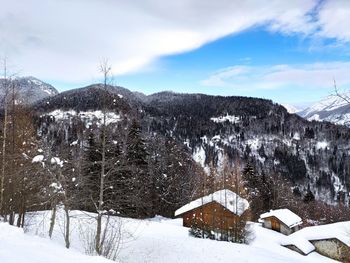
(160, 240)
(16, 247)
(331, 108)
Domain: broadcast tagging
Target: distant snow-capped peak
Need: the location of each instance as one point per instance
(331, 108)
(30, 89)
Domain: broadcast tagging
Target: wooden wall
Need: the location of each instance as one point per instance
(210, 216)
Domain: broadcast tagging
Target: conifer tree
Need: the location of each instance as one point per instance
(137, 173)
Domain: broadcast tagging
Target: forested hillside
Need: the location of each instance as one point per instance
(309, 154)
(159, 148)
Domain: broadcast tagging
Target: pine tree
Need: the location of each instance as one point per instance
(137, 174)
(251, 181)
(309, 196)
(136, 146)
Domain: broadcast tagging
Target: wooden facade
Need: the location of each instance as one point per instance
(210, 216)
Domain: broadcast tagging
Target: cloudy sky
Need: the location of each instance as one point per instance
(288, 51)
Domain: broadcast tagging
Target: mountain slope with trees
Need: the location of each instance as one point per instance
(159, 147)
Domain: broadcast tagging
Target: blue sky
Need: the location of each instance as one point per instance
(253, 48)
(287, 51)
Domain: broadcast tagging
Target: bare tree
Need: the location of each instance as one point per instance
(342, 95)
(105, 70)
(5, 91)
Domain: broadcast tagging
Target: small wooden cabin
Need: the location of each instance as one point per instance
(219, 210)
(281, 220)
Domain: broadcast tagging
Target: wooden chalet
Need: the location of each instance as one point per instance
(219, 210)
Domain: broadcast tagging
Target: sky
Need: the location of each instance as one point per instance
(287, 51)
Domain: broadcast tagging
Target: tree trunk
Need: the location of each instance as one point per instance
(19, 219)
(11, 189)
(99, 245)
(23, 218)
(52, 220)
(2, 185)
(67, 230)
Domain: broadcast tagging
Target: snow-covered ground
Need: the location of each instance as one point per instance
(155, 240)
(88, 117)
(15, 246)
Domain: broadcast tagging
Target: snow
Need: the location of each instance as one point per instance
(328, 103)
(74, 143)
(57, 187)
(219, 197)
(331, 108)
(290, 108)
(87, 116)
(314, 117)
(340, 230)
(341, 119)
(229, 118)
(303, 244)
(38, 159)
(301, 239)
(321, 145)
(155, 240)
(284, 215)
(16, 247)
(337, 184)
(273, 241)
(56, 160)
(253, 143)
(199, 156)
(296, 136)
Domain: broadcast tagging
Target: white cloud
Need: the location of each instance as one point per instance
(316, 75)
(333, 20)
(66, 39)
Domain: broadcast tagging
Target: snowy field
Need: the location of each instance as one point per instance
(15, 247)
(156, 240)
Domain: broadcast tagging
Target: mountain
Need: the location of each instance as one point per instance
(30, 89)
(332, 108)
(311, 155)
(290, 108)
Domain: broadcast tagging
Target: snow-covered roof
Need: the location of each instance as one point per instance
(219, 196)
(301, 243)
(301, 239)
(286, 216)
